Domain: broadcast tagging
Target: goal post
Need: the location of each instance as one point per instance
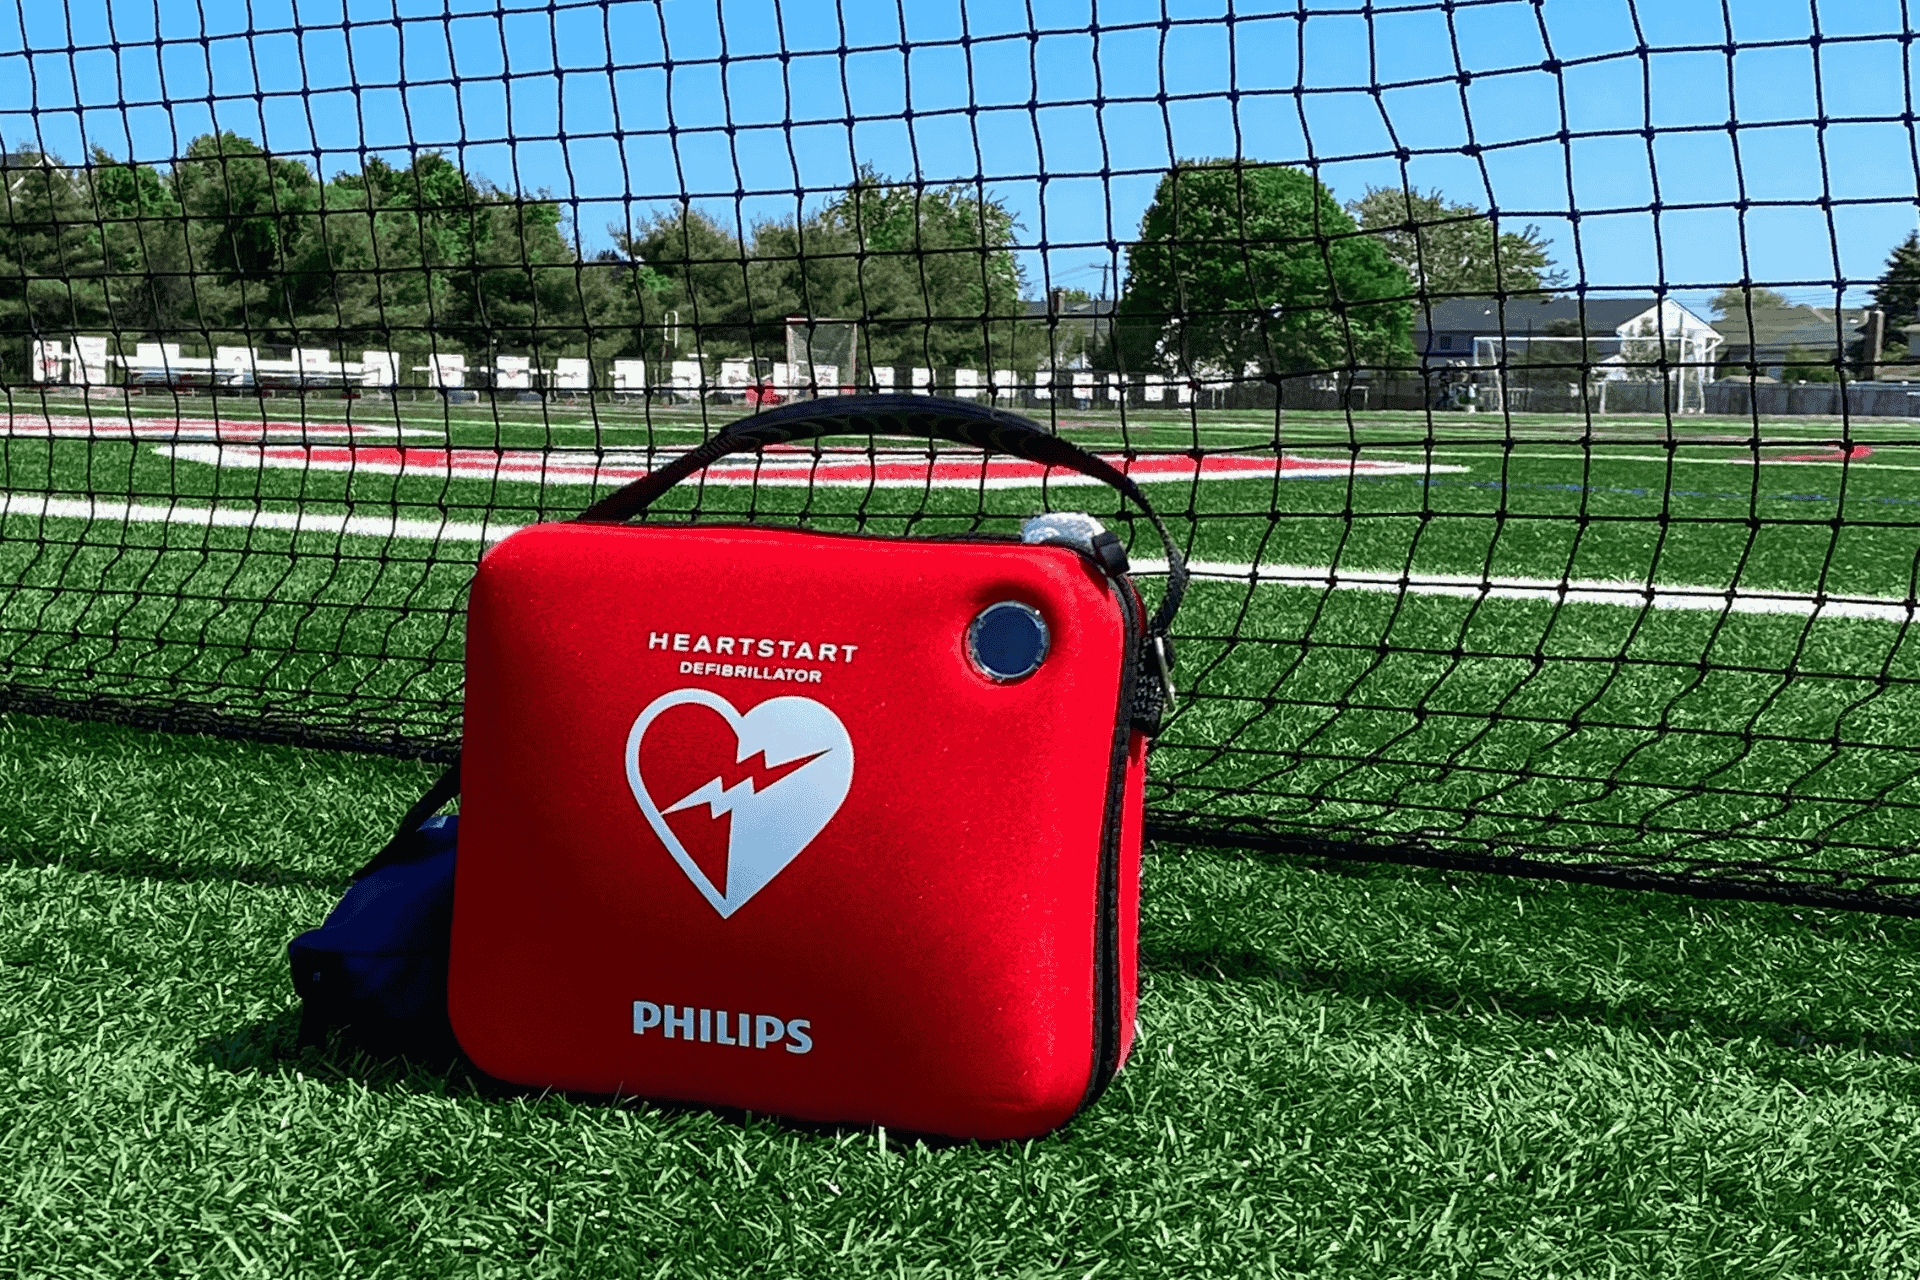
(1592, 375)
(821, 355)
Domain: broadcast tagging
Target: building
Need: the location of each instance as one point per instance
(17, 164)
(1789, 335)
(1080, 326)
(1559, 354)
(1449, 332)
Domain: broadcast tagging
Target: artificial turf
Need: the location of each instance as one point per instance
(1342, 1071)
(1571, 731)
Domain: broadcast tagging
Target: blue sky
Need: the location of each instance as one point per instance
(617, 108)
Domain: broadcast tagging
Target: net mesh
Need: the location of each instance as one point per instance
(1527, 381)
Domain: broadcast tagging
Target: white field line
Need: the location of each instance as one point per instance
(109, 429)
(1617, 593)
(1600, 457)
(386, 527)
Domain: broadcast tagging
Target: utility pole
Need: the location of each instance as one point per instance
(1873, 344)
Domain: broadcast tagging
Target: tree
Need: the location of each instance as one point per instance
(246, 214)
(1733, 302)
(52, 268)
(1244, 267)
(1802, 365)
(1898, 293)
(696, 268)
(141, 246)
(1451, 249)
(382, 261)
(928, 271)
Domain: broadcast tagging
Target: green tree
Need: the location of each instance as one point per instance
(246, 214)
(235, 246)
(687, 263)
(1733, 302)
(1898, 293)
(928, 272)
(933, 272)
(52, 269)
(519, 287)
(1452, 249)
(142, 247)
(1241, 266)
(1802, 365)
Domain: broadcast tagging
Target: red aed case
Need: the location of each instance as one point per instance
(843, 828)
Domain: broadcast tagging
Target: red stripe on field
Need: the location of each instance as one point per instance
(1852, 453)
(77, 426)
(843, 468)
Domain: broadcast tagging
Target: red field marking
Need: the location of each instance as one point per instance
(65, 426)
(837, 468)
(1834, 453)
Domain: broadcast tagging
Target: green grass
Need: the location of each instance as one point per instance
(1342, 1073)
(1580, 731)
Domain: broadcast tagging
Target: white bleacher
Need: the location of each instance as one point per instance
(574, 374)
(513, 373)
(380, 369)
(629, 376)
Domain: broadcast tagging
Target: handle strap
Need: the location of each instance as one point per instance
(925, 417)
(444, 788)
(960, 421)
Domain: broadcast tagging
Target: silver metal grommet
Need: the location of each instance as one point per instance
(1007, 641)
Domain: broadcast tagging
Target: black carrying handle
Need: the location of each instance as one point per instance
(926, 417)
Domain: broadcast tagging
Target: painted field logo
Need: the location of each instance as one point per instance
(735, 797)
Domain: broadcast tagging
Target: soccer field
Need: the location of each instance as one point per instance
(1658, 645)
(1382, 1071)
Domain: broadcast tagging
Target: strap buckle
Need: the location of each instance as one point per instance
(1160, 656)
(1153, 699)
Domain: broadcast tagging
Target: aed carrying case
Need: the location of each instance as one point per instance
(844, 828)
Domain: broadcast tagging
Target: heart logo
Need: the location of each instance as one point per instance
(799, 767)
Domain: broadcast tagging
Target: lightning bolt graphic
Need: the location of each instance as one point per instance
(720, 796)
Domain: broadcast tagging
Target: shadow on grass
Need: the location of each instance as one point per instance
(150, 866)
(270, 1047)
(1428, 994)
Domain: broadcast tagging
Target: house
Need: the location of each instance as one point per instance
(16, 165)
(1080, 326)
(1558, 354)
(1790, 335)
(1450, 332)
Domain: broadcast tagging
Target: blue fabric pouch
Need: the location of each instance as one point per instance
(377, 968)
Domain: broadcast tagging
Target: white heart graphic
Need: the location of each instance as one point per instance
(770, 827)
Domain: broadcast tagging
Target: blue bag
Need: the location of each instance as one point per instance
(378, 967)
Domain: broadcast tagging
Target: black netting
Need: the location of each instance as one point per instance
(1528, 381)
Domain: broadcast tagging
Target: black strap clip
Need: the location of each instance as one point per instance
(1112, 555)
(1154, 699)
